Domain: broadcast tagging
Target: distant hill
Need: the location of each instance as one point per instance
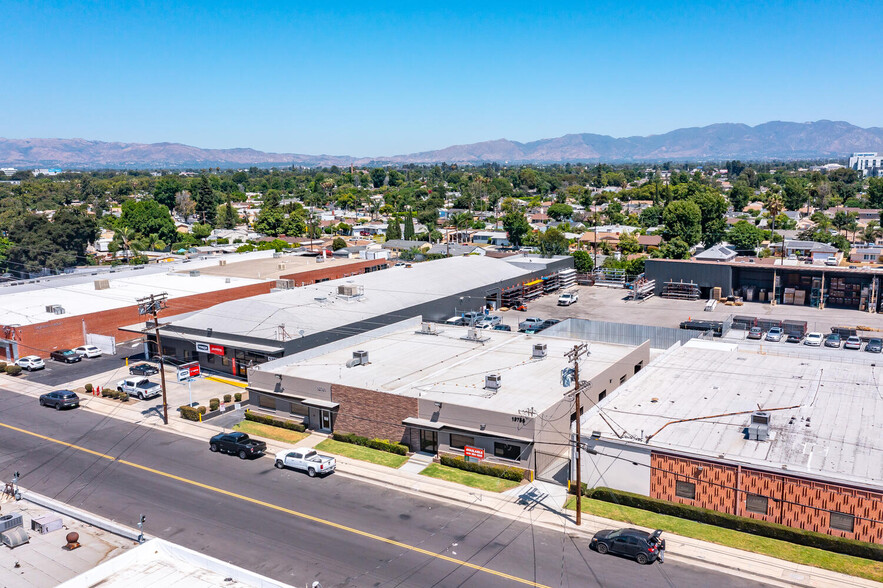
(772, 140)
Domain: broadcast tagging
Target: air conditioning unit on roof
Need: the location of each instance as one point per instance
(493, 381)
(539, 350)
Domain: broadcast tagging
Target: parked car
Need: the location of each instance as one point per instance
(65, 355)
(60, 399)
(643, 547)
(143, 369)
(833, 340)
(30, 363)
(755, 333)
(502, 328)
(469, 317)
(813, 339)
(306, 459)
(139, 387)
(831, 261)
(793, 338)
(530, 324)
(775, 334)
(237, 444)
(87, 351)
(568, 298)
(874, 345)
(853, 343)
(549, 323)
(489, 322)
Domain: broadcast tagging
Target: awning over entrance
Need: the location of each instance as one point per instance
(315, 402)
(422, 423)
(438, 426)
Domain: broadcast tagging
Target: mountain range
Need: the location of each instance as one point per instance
(775, 140)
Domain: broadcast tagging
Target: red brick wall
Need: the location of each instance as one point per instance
(372, 414)
(795, 502)
(66, 332)
(332, 272)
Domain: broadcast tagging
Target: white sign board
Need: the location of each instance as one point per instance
(183, 375)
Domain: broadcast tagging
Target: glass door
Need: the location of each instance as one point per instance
(428, 441)
(325, 420)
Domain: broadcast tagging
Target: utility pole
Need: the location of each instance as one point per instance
(574, 355)
(152, 305)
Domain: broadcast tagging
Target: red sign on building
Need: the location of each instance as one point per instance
(193, 368)
(473, 452)
(216, 349)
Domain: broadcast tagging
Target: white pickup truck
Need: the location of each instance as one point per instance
(141, 388)
(306, 458)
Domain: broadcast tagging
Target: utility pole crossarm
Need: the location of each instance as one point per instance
(152, 305)
(578, 387)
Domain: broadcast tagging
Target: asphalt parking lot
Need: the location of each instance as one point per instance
(58, 374)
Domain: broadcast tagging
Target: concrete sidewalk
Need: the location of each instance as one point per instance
(536, 503)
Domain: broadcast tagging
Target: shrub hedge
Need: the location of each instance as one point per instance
(107, 392)
(507, 473)
(124, 396)
(743, 524)
(2, 366)
(88, 388)
(201, 409)
(12, 369)
(237, 397)
(268, 420)
(214, 404)
(379, 444)
(227, 399)
(189, 413)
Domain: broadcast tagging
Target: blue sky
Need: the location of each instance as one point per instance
(361, 79)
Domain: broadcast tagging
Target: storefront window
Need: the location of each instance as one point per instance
(507, 451)
(267, 402)
(461, 441)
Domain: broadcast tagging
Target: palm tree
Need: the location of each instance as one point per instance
(872, 232)
(125, 237)
(775, 205)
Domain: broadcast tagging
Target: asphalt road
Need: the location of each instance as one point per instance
(276, 522)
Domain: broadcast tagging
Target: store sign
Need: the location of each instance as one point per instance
(213, 349)
(473, 452)
(192, 369)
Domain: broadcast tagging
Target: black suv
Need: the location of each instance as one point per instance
(641, 546)
(143, 369)
(66, 355)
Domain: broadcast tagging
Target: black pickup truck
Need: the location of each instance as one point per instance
(237, 444)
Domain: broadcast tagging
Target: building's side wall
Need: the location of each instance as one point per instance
(372, 414)
(617, 466)
(796, 502)
(705, 275)
(66, 332)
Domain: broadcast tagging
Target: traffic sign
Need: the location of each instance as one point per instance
(473, 452)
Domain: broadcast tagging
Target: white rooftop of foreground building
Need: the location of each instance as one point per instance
(834, 432)
(77, 297)
(447, 367)
(317, 308)
(158, 563)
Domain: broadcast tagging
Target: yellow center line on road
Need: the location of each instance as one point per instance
(289, 511)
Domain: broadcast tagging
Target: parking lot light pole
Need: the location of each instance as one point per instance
(152, 305)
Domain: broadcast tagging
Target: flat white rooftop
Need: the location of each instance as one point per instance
(448, 368)
(836, 431)
(27, 307)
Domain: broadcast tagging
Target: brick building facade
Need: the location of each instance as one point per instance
(373, 414)
(789, 500)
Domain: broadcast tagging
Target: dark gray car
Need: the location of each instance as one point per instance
(60, 399)
(639, 545)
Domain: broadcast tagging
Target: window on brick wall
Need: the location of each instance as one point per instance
(685, 489)
(267, 402)
(461, 441)
(757, 504)
(842, 521)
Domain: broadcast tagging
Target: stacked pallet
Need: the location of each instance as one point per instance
(680, 290)
(567, 277)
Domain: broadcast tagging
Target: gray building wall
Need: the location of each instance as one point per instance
(619, 466)
(706, 275)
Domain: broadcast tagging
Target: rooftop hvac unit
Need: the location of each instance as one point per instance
(277, 254)
(55, 309)
(280, 266)
(222, 262)
(349, 290)
(285, 284)
(14, 537)
(194, 273)
(46, 524)
(102, 284)
(359, 358)
(759, 427)
(428, 329)
(493, 381)
(13, 519)
(539, 350)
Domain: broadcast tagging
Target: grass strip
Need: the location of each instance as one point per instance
(270, 432)
(361, 453)
(472, 479)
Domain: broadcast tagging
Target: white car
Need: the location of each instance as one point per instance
(489, 322)
(31, 363)
(140, 388)
(87, 351)
(306, 459)
(814, 339)
(568, 298)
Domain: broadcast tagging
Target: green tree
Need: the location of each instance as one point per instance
(712, 206)
(650, 216)
(560, 211)
(629, 244)
(166, 190)
(582, 261)
(201, 231)
(677, 248)
(875, 192)
(338, 243)
(378, 176)
(682, 219)
(206, 200)
(515, 223)
(795, 194)
(230, 215)
(552, 242)
(148, 217)
(740, 195)
(393, 229)
(409, 226)
(744, 235)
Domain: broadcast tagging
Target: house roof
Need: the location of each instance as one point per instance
(719, 252)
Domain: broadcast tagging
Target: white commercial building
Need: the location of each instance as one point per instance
(870, 164)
